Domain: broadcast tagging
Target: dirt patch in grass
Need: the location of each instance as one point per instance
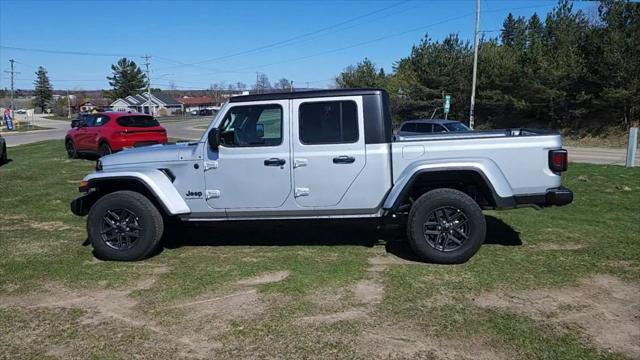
(368, 291)
(192, 331)
(560, 246)
(331, 304)
(347, 315)
(394, 342)
(266, 278)
(49, 226)
(604, 307)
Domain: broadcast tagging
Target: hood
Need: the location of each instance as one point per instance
(146, 154)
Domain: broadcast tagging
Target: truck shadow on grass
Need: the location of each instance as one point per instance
(314, 233)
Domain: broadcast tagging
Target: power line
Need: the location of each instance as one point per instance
(386, 37)
(263, 47)
(63, 52)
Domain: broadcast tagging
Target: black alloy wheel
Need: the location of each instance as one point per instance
(446, 228)
(120, 229)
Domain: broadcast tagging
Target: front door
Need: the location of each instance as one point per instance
(252, 167)
(328, 149)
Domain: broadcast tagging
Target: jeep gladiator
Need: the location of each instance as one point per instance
(325, 154)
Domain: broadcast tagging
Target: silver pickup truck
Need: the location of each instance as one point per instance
(321, 155)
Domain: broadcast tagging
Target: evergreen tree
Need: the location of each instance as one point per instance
(127, 79)
(43, 90)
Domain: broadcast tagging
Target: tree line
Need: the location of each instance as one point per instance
(569, 71)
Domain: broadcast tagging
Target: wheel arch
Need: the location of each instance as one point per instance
(153, 184)
(488, 190)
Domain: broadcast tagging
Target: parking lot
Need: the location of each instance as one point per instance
(558, 283)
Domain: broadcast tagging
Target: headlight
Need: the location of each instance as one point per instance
(98, 165)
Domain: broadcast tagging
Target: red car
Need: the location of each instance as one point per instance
(107, 132)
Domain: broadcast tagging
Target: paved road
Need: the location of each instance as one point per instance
(193, 128)
(57, 130)
(595, 155)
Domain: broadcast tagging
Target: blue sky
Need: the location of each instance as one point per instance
(196, 43)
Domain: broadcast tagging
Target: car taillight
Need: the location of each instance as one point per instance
(558, 160)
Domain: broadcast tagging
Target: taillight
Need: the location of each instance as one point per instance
(558, 160)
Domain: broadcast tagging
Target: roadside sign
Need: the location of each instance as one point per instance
(447, 103)
(8, 119)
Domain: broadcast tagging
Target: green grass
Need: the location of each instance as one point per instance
(41, 248)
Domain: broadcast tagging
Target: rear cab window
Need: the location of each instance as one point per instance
(137, 121)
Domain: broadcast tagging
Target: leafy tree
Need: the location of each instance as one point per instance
(283, 84)
(262, 83)
(43, 90)
(127, 79)
(363, 75)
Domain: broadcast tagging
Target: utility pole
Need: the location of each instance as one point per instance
(13, 74)
(475, 66)
(146, 64)
(69, 104)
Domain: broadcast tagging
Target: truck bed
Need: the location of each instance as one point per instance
(515, 160)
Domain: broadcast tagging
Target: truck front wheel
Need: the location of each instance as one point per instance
(445, 226)
(124, 226)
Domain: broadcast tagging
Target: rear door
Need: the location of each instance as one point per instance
(83, 137)
(328, 148)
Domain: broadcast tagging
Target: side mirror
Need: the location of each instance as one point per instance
(214, 139)
(75, 123)
(260, 130)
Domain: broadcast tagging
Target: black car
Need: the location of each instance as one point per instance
(81, 119)
(426, 126)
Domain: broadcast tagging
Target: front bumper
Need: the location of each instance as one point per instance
(83, 204)
(559, 196)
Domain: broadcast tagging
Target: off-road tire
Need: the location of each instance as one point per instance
(148, 217)
(438, 199)
(104, 149)
(70, 147)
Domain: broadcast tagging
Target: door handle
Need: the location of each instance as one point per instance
(274, 162)
(344, 159)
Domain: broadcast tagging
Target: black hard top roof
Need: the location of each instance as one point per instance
(305, 94)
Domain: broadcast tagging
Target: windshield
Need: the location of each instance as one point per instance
(456, 127)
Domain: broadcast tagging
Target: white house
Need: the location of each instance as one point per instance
(160, 104)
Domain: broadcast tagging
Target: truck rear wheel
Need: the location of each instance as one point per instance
(124, 226)
(446, 226)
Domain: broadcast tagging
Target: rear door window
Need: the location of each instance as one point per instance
(328, 122)
(137, 121)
